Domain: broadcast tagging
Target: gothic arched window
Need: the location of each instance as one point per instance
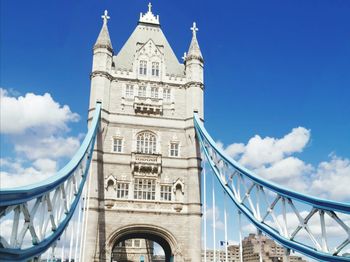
(146, 143)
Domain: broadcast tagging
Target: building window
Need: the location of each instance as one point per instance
(155, 69)
(142, 91)
(117, 145)
(145, 189)
(174, 149)
(122, 190)
(143, 67)
(165, 193)
(129, 91)
(137, 243)
(166, 94)
(154, 92)
(146, 143)
(128, 243)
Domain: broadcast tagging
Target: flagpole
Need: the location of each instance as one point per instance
(205, 213)
(214, 218)
(240, 237)
(225, 218)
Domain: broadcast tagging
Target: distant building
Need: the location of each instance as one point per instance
(270, 251)
(232, 256)
(133, 250)
(158, 258)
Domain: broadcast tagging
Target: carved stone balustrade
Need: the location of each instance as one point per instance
(146, 164)
(148, 105)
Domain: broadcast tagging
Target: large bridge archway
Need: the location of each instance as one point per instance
(150, 232)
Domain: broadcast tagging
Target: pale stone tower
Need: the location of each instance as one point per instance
(145, 174)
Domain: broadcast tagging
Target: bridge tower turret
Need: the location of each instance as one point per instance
(101, 66)
(145, 171)
(194, 76)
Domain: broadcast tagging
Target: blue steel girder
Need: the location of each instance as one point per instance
(240, 184)
(45, 209)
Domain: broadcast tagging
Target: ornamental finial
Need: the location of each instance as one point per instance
(105, 17)
(184, 56)
(194, 28)
(149, 17)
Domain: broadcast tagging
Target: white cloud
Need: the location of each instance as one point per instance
(45, 165)
(332, 179)
(209, 216)
(235, 149)
(14, 173)
(18, 114)
(273, 159)
(47, 147)
(261, 151)
(36, 125)
(288, 171)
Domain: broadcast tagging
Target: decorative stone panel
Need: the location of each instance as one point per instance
(146, 164)
(148, 105)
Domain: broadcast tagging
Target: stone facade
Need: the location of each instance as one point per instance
(145, 173)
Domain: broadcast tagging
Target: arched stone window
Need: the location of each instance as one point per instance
(179, 190)
(146, 143)
(178, 193)
(110, 182)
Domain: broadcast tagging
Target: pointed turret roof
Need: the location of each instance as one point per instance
(103, 39)
(148, 29)
(194, 52)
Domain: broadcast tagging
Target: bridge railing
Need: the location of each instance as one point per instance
(271, 208)
(39, 213)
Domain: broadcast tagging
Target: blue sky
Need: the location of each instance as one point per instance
(270, 66)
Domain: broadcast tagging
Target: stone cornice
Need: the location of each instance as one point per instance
(195, 57)
(133, 80)
(101, 73)
(194, 83)
(108, 47)
(157, 212)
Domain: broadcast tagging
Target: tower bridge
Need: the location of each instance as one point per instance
(139, 172)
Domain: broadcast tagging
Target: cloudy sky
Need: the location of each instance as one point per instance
(277, 95)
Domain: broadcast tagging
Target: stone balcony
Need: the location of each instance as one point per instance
(148, 105)
(146, 164)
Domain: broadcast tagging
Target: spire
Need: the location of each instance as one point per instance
(103, 39)
(149, 17)
(194, 50)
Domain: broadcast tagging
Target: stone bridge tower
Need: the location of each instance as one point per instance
(145, 174)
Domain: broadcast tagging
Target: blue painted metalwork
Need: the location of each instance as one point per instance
(207, 142)
(11, 198)
(310, 200)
